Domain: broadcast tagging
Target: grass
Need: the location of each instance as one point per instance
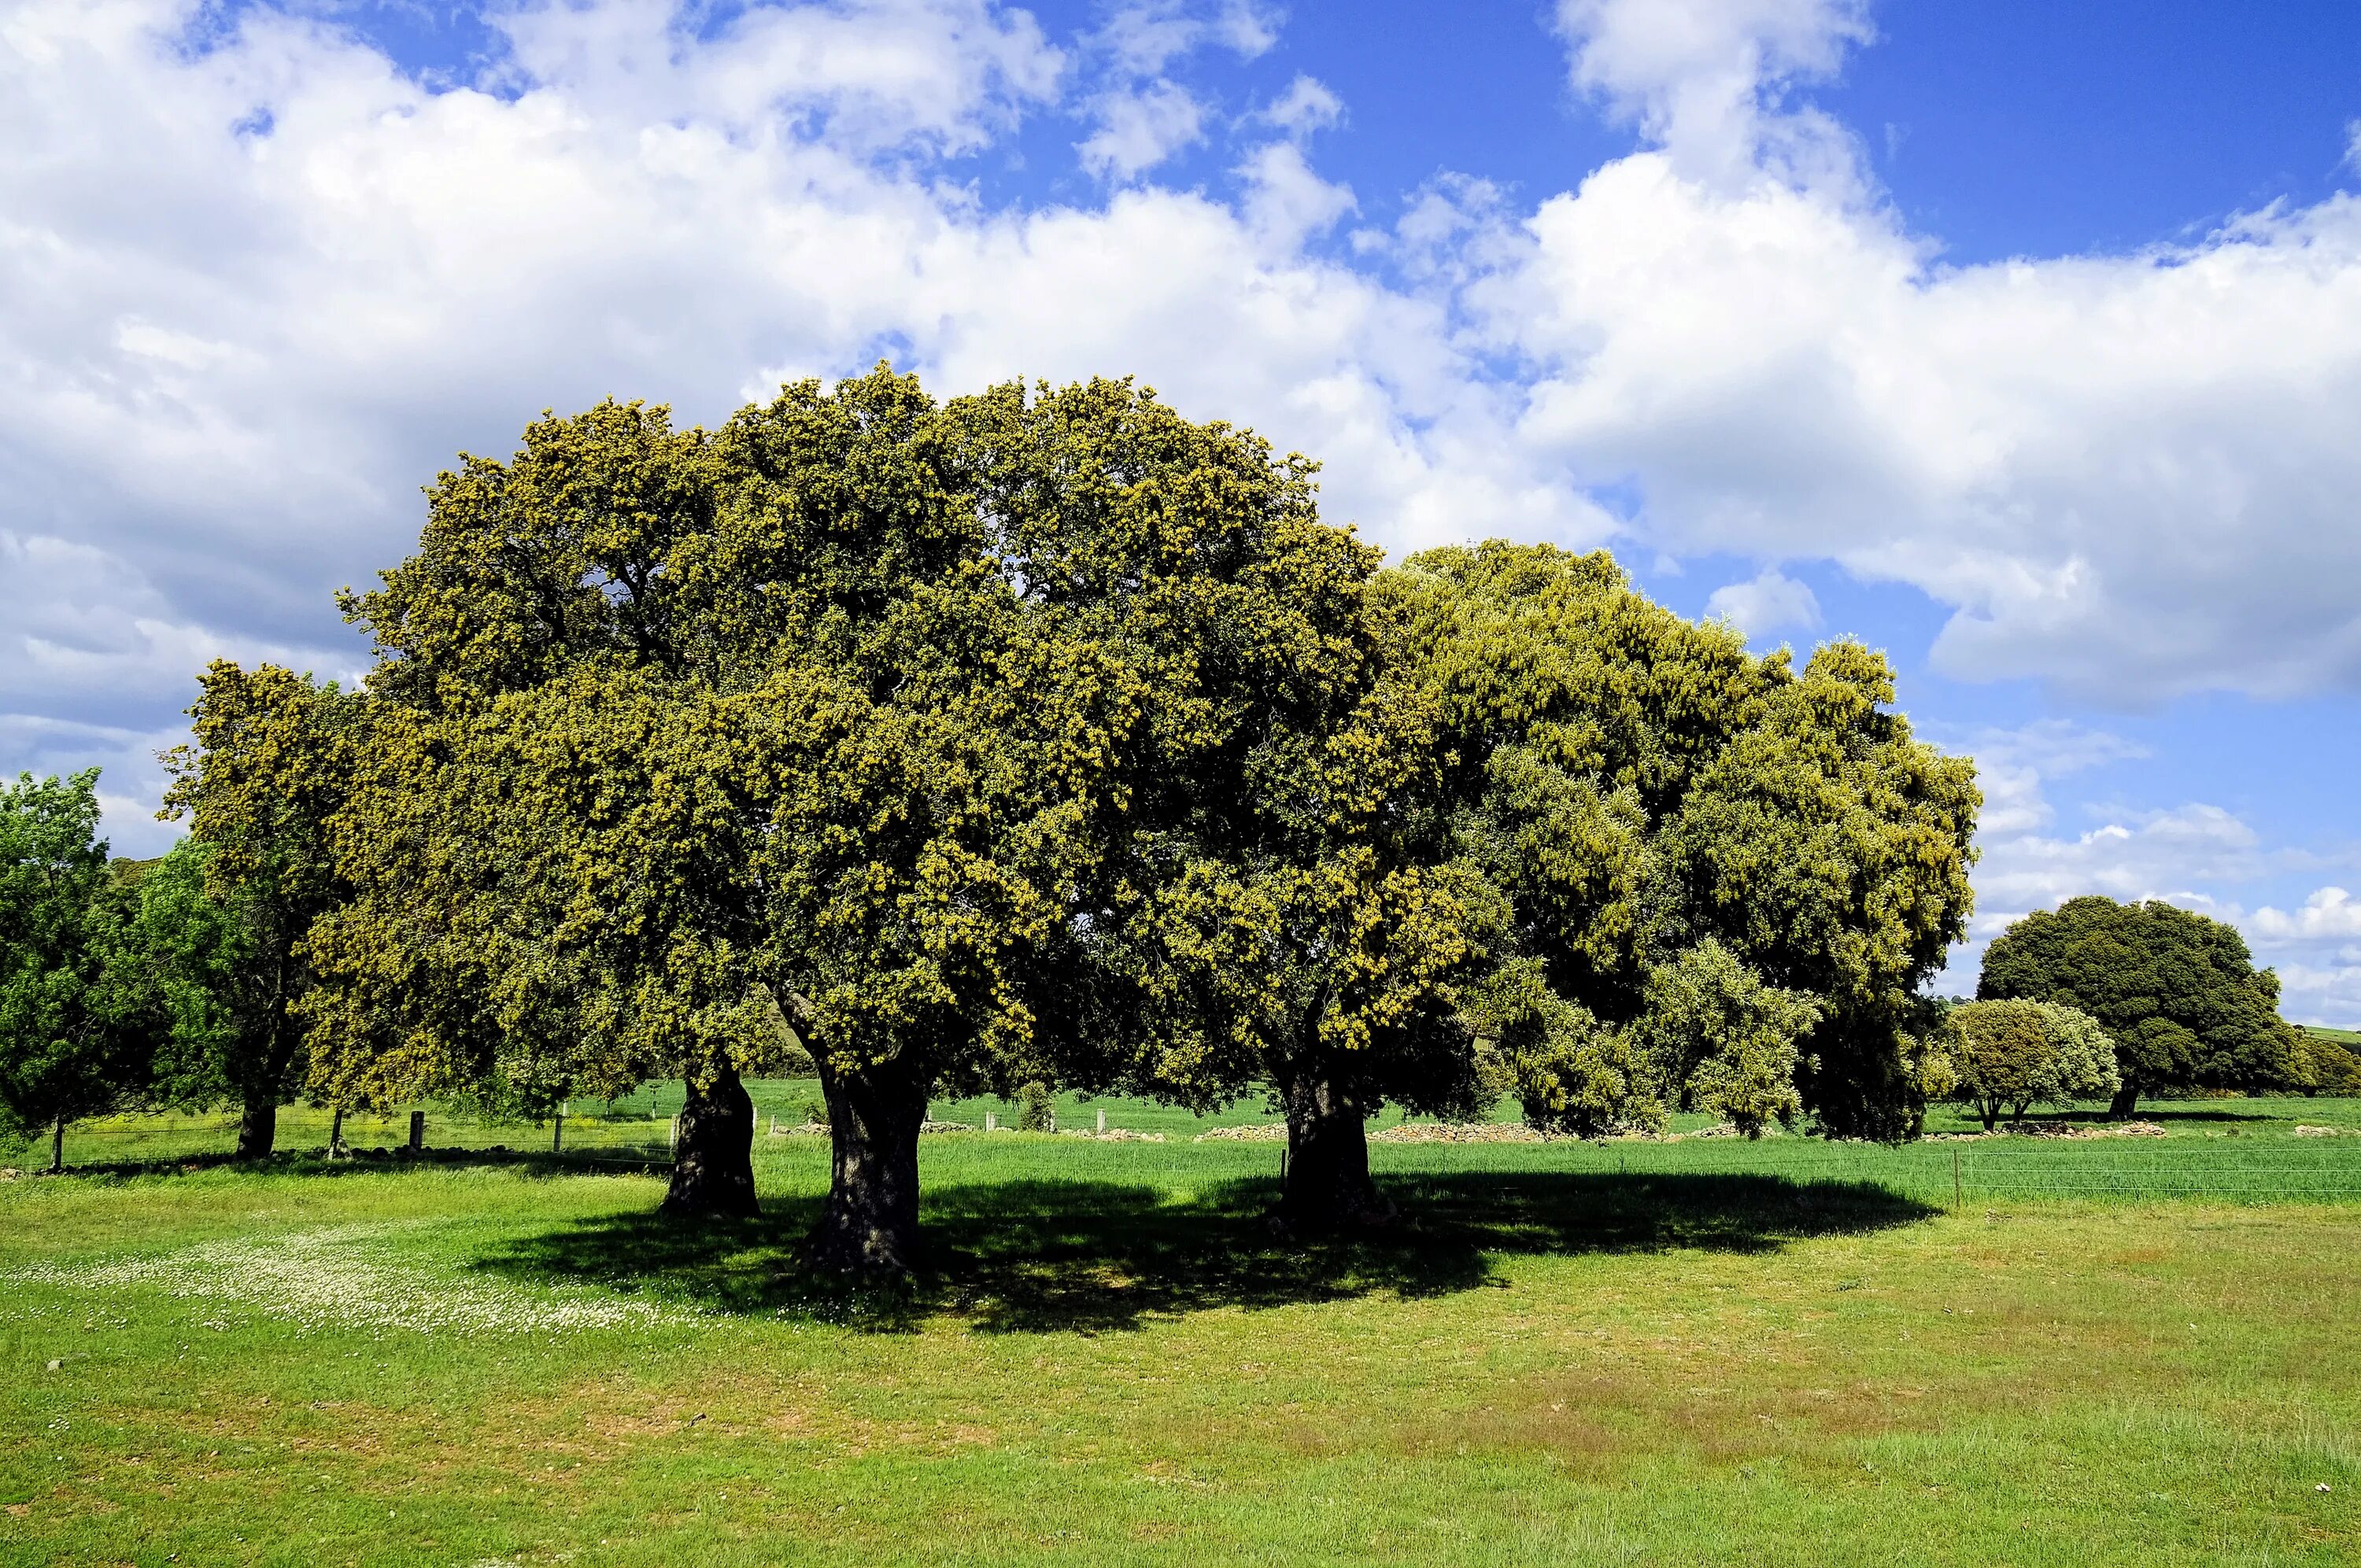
(1716, 1351)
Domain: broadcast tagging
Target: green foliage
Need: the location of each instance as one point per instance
(1633, 786)
(69, 1045)
(1036, 1108)
(2177, 991)
(227, 920)
(1724, 1042)
(2328, 1061)
(2013, 1054)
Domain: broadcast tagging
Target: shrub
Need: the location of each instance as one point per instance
(1037, 1111)
(2015, 1055)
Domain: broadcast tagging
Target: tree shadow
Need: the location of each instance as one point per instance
(314, 1162)
(1091, 1258)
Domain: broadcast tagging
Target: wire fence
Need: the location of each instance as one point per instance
(1945, 1173)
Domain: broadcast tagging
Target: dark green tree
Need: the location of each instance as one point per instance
(2177, 993)
(71, 1045)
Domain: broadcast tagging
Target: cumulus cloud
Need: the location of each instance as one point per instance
(2327, 915)
(1768, 602)
(1139, 129)
(2130, 475)
(1306, 106)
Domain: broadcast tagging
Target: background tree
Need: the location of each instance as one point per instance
(69, 1045)
(2177, 993)
(1650, 800)
(2013, 1054)
(271, 760)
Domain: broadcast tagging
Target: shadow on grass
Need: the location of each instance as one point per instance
(1099, 1257)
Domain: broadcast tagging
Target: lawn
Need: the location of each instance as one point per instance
(1682, 1353)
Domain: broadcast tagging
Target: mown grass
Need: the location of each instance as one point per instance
(1705, 1355)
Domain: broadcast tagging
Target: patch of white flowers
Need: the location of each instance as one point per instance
(349, 1276)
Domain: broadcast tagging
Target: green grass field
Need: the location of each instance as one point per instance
(2091, 1350)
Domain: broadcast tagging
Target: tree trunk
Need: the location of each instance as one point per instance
(1328, 1186)
(258, 1126)
(1991, 1114)
(713, 1156)
(336, 1134)
(58, 1147)
(869, 1223)
(2125, 1097)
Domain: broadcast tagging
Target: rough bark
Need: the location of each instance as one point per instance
(258, 1124)
(869, 1226)
(2125, 1097)
(1328, 1186)
(336, 1134)
(713, 1156)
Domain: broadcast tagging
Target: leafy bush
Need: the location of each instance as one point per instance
(2015, 1055)
(1036, 1110)
(1722, 1040)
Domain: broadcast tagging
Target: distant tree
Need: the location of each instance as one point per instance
(69, 1043)
(227, 918)
(2327, 1063)
(2177, 993)
(1669, 818)
(2013, 1054)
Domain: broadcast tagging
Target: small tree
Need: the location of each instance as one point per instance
(70, 1042)
(2013, 1054)
(2177, 993)
(270, 763)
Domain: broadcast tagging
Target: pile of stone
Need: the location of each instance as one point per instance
(1257, 1132)
(1112, 1136)
(1456, 1133)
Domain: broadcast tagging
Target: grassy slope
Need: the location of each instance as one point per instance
(1688, 1360)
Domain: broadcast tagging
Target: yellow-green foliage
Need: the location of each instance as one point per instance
(1633, 786)
(2013, 1054)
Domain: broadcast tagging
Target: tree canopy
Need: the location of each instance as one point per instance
(1683, 833)
(2013, 1054)
(69, 1045)
(2177, 993)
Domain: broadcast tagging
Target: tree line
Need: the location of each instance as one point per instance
(1041, 735)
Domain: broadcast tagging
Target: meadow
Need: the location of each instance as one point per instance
(2056, 1349)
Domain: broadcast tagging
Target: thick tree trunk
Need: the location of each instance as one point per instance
(1328, 1186)
(713, 1156)
(2125, 1097)
(869, 1223)
(1991, 1114)
(58, 1147)
(257, 1126)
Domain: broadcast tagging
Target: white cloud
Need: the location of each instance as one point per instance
(1139, 128)
(1696, 74)
(2129, 475)
(2329, 914)
(1306, 106)
(1771, 601)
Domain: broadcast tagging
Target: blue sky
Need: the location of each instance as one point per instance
(2022, 340)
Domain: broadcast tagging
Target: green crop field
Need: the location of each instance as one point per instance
(2054, 1349)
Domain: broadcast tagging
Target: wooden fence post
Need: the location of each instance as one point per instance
(418, 1132)
(557, 1130)
(58, 1146)
(1958, 1201)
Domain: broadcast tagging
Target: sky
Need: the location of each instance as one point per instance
(2020, 340)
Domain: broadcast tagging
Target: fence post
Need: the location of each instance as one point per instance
(418, 1132)
(1102, 1121)
(557, 1130)
(58, 1146)
(672, 1136)
(987, 1121)
(1958, 1201)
